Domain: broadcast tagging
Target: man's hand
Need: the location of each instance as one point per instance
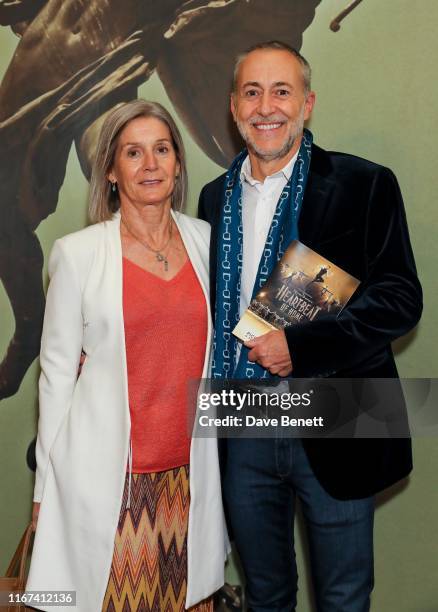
(271, 352)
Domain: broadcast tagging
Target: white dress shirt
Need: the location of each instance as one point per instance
(259, 201)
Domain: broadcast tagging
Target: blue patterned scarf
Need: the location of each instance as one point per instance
(284, 229)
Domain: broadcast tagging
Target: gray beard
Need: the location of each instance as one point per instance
(271, 155)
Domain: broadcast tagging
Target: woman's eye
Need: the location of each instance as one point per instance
(133, 153)
(163, 149)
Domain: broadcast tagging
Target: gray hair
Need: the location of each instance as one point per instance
(103, 202)
(275, 45)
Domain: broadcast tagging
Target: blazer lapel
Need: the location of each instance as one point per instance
(317, 197)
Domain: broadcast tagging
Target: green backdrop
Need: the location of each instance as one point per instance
(377, 97)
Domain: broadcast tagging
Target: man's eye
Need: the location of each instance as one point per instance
(251, 93)
(282, 92)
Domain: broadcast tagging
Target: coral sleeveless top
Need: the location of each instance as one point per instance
(166, 333)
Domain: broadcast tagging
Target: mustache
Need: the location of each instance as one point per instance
(275, 118)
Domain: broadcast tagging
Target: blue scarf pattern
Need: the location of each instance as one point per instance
(283, 229)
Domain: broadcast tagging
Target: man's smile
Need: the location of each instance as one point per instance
(267, 126)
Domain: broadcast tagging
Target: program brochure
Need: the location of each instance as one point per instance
(302, 286)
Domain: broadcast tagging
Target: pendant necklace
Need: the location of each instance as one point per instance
(159, 255)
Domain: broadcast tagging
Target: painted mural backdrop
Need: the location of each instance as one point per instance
(78, 59)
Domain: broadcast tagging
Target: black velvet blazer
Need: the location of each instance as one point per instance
(353, 215)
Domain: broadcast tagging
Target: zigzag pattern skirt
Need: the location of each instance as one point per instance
(149, 567)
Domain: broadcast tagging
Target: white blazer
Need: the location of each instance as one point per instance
(84, 425)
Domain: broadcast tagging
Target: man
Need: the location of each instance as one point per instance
(350, 211)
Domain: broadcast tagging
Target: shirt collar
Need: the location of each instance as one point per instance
(286, 171)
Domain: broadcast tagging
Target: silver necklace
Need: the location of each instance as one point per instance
(159, 255)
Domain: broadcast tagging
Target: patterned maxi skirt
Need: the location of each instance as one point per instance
(149, 567)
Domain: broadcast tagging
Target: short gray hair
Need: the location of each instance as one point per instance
(275, 45)
(103, 202)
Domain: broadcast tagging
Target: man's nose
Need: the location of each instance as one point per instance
(266, 106)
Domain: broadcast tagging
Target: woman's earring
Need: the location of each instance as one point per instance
(114, 187)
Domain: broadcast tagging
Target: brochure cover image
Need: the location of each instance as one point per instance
(302, 286)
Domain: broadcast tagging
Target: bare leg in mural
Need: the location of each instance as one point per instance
(97, 60)
(21, 263)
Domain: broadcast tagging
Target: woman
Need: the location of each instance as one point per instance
(112, 450)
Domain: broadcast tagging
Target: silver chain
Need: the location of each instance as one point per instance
(159, 256)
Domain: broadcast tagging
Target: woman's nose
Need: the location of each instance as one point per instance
(150, 161)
